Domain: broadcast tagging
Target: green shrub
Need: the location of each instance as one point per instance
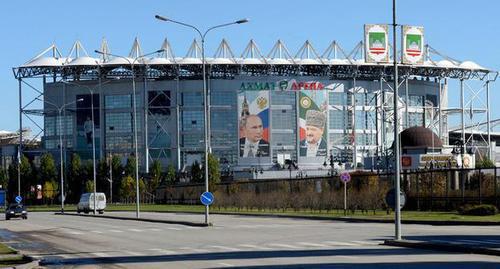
(478, 210)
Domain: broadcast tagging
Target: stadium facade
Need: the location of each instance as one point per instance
(345, 97)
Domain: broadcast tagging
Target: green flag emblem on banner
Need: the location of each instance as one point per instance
(376, 42)
(413, 45)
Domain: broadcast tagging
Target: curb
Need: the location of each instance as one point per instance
(186, 223)
(442, 247)
(32, 264)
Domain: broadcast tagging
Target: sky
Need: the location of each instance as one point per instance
(464, 30)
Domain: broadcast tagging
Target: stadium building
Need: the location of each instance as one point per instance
(307, 107)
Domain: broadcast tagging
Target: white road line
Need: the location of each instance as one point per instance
(135, 230)
(493, 241)
(76, 233)
(132, 253)
(283, 246)
(197, 250)
(254, 247)
(335, 243)
(226, 248)
(163, 251)
(100, 254)
(36, 235)
(115, 231)
(372, 243)
(444, 241)
(225, 264)
(97, 232)
(312, 244)
(193, 228)
(172, 228)
(154, 230)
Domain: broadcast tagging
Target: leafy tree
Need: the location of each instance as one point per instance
(485, 163)
(117, 175)
(127, 187)
(75, 179)
(48, 170)
(213, 169)
(170, 178)
(156, 176)
(130, 166)
(196, 172)
(89, 186)
(50, 191)
(4, 181)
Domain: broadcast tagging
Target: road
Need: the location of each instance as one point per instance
(236, 241)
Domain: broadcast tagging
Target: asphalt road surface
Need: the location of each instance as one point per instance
(237, 241)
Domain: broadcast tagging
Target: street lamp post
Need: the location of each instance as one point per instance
(205, 93)
(91, 90)
(132, 65)
(59, 111)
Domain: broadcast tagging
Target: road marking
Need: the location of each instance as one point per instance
(335, 243)
(197, 250)
(493, 241)
(115, 231)
(135, 230)
(473, 241)
(172, 228)
(312, 244)
(100, 254)
(283, 246)
(254, 247)
(226, 264)
(97, 232)
(76, 233)
(154, 230)
(133, 253)
(36, 235)
(163, 251)
(193, 228)
(226, 248)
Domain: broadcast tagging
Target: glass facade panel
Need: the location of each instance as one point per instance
(337, 119)
(192, 98)
(226, 139)
(360, 99)
(119, 123)
(415, 100)
(284, 119)
(281, 139)
(283, 98)
(221, 98)
(159, 102)
(118, 101)
(415, 119)
(192, 140)
(223, 120)
(192, 120)
(119, 142)
(338, 99)
(51, 124)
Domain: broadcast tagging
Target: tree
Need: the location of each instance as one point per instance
(170, 178)
(213, 169)
(48, 170)
(156, 175)
(89, 186)
(4, 181)
(485, 163)
(196, 172)
(130, 166)
(117, 170)
(127, 187)
(50, 191)
(75, 179)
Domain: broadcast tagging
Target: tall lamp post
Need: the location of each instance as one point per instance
(205, 94)
(59, 111)
(132, 65)
(91, 90)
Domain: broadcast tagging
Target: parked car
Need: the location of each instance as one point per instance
(86, 203)
(16, 211)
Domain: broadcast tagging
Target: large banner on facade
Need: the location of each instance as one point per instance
(85, 132)
(313, 108)
(413, 44)
(253, 111)
(376, 43)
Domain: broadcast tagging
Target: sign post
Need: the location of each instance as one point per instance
(345, 177)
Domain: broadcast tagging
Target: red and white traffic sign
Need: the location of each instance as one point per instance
(345, 177)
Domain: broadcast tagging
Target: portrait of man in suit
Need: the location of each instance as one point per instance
(314, 145)
(253, 144)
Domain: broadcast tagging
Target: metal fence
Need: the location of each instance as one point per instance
(425, 190)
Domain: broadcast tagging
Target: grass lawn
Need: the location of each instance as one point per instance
(379, 215)
(6, 250)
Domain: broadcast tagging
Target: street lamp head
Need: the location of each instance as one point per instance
(99, 52)
(160, 51)
(241, 21)
(79, 100)
(161, 18)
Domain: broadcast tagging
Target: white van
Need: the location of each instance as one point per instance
(86, 203)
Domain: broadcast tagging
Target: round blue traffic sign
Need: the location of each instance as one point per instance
(345, 177)
(207, 198)
(18, 199)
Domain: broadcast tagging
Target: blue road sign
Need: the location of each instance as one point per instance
(207, 198)
(2, 198)
(18, 199)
